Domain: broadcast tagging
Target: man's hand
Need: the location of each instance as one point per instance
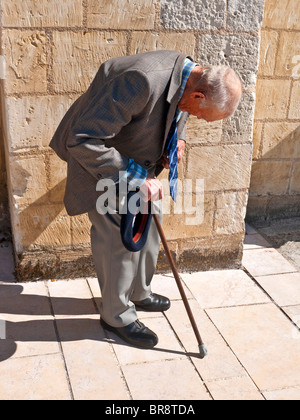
(180, 151)
(152, 189)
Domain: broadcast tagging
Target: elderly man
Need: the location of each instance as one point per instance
(132, 120)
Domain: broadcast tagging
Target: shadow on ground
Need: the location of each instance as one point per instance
(284, 235)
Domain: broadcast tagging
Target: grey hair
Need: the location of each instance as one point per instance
(215, 83)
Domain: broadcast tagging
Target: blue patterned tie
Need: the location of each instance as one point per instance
(172, 153)
(172, 136)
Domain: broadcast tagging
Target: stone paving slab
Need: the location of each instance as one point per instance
(34, 378)
(174, 379)
(293, 313)
(265, 261)
(28, 336)
(284, 235)
(286, 394)
(55, 348)
(235, 389)
(264, 341)
(230, 287)
(221, 361)
(284, 289)
(90, 362)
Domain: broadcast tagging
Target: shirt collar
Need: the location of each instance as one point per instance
(187, 69)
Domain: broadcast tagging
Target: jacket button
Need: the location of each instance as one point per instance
(147, 163)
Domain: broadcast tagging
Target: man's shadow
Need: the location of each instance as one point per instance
(49, 329)
(75, 320)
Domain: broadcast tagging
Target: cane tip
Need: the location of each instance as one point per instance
(202, 351)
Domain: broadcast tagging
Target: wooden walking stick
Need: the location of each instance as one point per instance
(202, 348)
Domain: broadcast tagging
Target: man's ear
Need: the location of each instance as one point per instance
(199, 95)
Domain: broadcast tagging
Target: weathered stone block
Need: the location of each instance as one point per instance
(216, 252)
(34, 119)
(294, 111)
(175, 224)
(283, 14)
(65, 264)
(288, 51)
(26, 61)
(42, 227)
(245, 16)
(238, 51)
(238, 128)
(42, 13)
(200, 131)
(270, 177)
(78, 55)
(121, 14)
(193, 14)
(231, 212)
(268, 49)
(28, 180)
(267, 103)
(145, 41)
(295, 180)
(281, 140)
(223, 167)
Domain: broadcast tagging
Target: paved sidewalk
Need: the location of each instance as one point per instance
(53, 347)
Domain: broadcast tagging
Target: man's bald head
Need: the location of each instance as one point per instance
(215, 90)
(221, 86)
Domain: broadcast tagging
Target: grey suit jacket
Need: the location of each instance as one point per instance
(126, 113)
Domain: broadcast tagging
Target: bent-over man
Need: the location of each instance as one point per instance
(132, 121)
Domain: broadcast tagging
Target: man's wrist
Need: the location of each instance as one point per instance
(135, 174)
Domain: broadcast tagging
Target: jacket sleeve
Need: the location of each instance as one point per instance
(104, 114)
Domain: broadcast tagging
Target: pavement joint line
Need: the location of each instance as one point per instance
(114, 354)
(280, 389)
(234, 354)
(60, 344)
(270, 297)
(110, 344)
(278, 274)
(188, 356)
(237, 305)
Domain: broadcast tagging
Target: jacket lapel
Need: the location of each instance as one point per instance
(174, 92)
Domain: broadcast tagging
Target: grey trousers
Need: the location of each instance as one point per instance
(123, 276)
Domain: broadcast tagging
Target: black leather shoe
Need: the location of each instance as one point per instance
(153, 303)
(136, 334)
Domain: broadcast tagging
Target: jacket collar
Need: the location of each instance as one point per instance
(175, 84)
(174, 92)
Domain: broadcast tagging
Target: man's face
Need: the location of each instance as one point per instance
(195, 104)
(209, 114)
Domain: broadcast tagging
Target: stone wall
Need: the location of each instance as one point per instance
(275, 181)
(3, 188)
(4, 208)
(53, 49)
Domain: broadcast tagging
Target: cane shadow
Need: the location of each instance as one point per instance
(75, 320)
